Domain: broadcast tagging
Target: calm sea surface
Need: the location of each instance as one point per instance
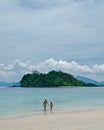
(14, 101)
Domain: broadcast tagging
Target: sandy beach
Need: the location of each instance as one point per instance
(86, 120)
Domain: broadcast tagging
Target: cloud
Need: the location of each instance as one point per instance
(71, 30)
(16, 70)
(67, 19)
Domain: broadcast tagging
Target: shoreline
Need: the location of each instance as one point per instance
(79, 120)
(48, 112)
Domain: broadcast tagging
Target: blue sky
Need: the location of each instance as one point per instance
(60, 32)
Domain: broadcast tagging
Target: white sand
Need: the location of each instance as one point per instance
(87, 120)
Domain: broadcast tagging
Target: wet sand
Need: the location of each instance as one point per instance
(83, 120)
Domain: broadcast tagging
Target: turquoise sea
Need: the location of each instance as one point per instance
(18, 101)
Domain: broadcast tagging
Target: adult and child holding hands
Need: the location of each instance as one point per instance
(45, 103)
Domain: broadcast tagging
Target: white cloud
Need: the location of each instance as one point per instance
(15, 71)
(71, 30)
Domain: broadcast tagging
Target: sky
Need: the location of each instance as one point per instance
(66, 35)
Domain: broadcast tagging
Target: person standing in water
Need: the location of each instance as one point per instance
(51, 106)
(45, 103)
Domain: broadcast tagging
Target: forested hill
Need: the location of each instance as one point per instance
(51, 79)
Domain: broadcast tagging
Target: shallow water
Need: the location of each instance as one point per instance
(14, 101)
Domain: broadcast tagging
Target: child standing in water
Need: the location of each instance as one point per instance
(51, 106)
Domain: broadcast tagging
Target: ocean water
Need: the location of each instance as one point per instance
(18, 101)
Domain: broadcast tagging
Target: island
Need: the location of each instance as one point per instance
(51, 79)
